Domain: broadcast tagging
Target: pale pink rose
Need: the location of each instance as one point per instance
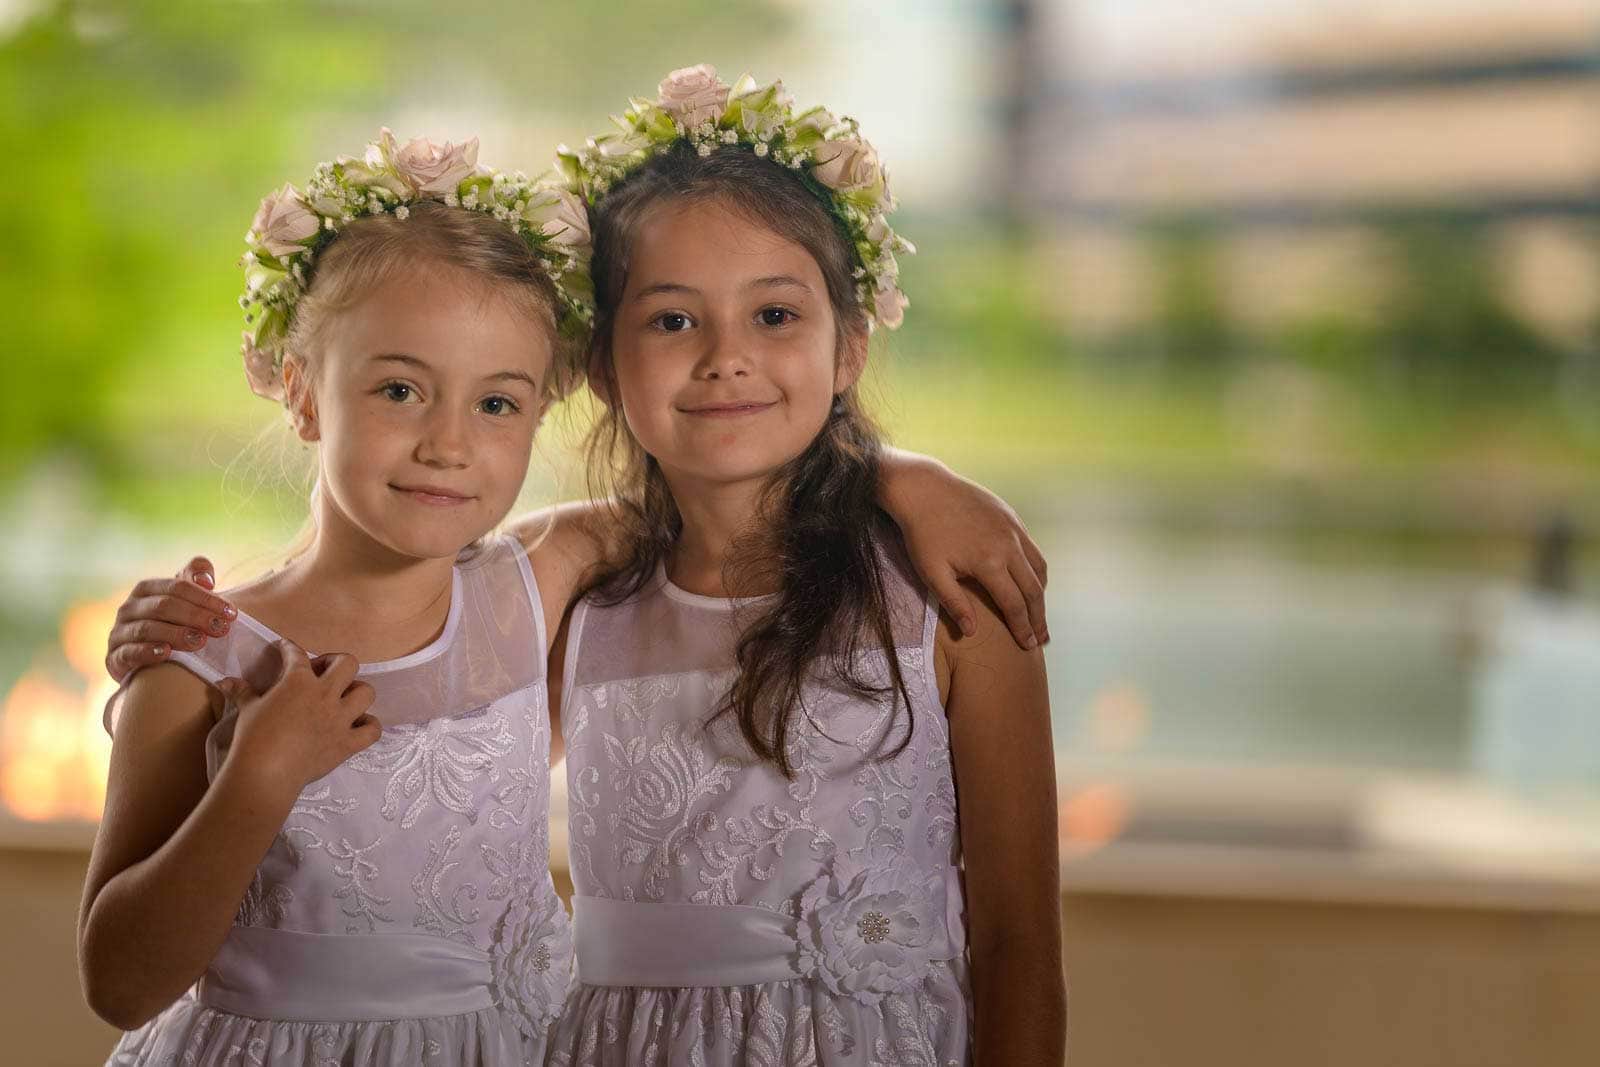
(283, 221)
(889, 305)
(693, 95)
(848, 165)
(436, 169)
(562, 218)
(261, 371)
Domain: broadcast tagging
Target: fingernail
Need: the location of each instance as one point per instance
(967, 626)
(161, 650)
(1033, 642)
(218, 627)
(230, 611)
(203, 579)
(193, 638)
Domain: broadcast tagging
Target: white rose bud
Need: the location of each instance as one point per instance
(814, 124)
(562, 218)
(693, 95)
(889, 305)
(261, 370)
(283, 221)
(847, 166)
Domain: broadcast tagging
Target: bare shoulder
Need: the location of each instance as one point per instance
(989, 656)
(163, 697)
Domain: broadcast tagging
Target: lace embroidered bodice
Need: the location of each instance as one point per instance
(439, 830)
(858, 853)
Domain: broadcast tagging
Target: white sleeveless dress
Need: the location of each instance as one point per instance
(726, 915)
(405, 913)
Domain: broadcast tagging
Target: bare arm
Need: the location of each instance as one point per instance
(954, 529)
(173, 857)
(999, 713)
(565, 543)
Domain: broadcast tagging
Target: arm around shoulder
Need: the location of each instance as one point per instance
(565, 544)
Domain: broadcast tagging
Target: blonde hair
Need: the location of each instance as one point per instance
(374, 249)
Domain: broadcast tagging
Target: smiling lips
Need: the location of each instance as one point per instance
(729, 409)
(433, 495)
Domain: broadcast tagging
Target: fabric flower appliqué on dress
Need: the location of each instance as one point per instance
(532, 960)
(866, 932)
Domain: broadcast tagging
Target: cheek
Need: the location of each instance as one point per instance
(641, 397)
(507, 457)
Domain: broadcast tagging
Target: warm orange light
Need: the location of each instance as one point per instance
(1093, 816)
(1119, 718)
(83, 636)
(52, 766)
(53, 749)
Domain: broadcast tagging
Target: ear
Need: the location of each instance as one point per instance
(299, 399)
(852, 360)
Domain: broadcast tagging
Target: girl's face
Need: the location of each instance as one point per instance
(725, 346)
(425, 401)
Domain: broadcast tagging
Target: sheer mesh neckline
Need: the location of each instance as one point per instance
(700, 600)
(411, 659)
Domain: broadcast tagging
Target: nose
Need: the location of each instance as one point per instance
(721, 358)
(443, 442)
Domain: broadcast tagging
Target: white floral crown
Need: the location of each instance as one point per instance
(292, 228)
(694, 106)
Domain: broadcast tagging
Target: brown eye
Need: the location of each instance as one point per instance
(672, 322)
(776, 316)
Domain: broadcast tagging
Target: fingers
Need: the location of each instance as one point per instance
(200, 571)
(357, 699)
(178, 603)
(124, 659)
(291, 659)
(954, 600)
(1036, 560)
(364, 732)
(1027, 581)
(236, 690)
(338, 670)
(1003, 590)
(149, 633)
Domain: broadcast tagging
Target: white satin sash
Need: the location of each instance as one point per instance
(627, 943)
(306, 977)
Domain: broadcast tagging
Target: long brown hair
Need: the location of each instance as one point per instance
(827, 528)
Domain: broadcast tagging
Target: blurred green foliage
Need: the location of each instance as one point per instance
(143, 133)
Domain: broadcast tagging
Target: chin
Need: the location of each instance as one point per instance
(443, 543)
(732, 465)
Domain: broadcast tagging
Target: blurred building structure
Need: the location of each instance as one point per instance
(1296, 141)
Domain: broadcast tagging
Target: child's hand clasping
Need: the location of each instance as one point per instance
(305, 724)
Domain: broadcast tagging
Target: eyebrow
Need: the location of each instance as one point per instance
(422, 364)
(771, 281)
